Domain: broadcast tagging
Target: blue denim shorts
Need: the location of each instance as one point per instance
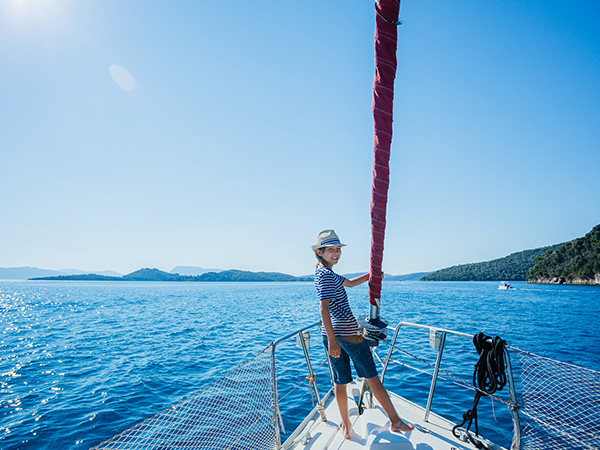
(361, 356)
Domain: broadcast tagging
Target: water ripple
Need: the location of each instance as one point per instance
(82, 361)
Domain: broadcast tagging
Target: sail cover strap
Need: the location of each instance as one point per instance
(386, 36)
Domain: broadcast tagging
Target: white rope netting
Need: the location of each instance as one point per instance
(559, 403)
(235, 412)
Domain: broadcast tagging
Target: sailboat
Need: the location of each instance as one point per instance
(551, 405)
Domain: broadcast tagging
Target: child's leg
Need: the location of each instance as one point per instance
(341, 377)
(383, 398)
(341, 397)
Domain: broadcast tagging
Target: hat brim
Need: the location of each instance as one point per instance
(316, 246)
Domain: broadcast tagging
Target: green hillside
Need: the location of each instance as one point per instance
(513, 267)
(240, 275)
(159, 275)
(576, 262)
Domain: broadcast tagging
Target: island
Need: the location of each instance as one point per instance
(159, 275)
(573, 262)
(513, 267)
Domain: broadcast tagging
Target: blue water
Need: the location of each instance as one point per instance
(82, 361)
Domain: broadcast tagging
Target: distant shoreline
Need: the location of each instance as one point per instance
(574, 282)
(159, 275)
(221, 276)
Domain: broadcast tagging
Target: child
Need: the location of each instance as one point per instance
(342, 335)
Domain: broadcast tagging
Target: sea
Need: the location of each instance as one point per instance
(82, 361)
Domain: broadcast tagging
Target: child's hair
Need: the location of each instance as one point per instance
(322, 262)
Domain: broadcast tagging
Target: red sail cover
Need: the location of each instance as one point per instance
(386, 37)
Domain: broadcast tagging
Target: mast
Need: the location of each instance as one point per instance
(386, 37)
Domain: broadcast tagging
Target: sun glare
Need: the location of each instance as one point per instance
(36, 12)
(34, 6)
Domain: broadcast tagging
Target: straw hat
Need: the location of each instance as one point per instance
(327, 238)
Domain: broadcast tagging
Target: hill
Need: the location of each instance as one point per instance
(81, 277)
(240, 275)
(513, 267)
(576, 262)
(159, 275)
(152, 275)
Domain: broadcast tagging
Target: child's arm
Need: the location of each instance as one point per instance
(356, 281)
(334, 347)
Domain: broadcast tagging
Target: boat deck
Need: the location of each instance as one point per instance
(372, 429)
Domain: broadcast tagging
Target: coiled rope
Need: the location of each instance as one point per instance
(489, 376)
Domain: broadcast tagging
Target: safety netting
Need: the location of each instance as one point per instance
(234, 413)
(559, 403)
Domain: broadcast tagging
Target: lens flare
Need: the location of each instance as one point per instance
(122, 78)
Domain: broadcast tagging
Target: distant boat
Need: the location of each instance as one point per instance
(505, 286)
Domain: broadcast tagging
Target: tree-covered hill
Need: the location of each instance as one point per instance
(513, 267)
(241, 275)
(151, 275)
(576, 262)
(159, 275)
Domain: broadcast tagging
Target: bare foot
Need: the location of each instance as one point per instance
(347, 431)
(401, 426)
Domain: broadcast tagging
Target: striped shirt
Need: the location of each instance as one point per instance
(329, 287)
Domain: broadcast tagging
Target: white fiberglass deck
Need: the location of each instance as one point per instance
(372, 429)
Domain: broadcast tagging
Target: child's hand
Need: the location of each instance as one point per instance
(334, 349)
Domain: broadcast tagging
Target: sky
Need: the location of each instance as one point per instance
(227, 134)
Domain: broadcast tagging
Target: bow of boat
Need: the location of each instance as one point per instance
(371, 429)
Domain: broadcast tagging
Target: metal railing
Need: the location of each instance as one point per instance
(437, 339)
(302, 339)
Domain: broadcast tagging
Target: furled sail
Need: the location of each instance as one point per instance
(386, 37)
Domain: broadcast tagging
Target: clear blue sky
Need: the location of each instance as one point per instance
(227, 134)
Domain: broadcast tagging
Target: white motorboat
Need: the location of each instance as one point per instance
(504, 286)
